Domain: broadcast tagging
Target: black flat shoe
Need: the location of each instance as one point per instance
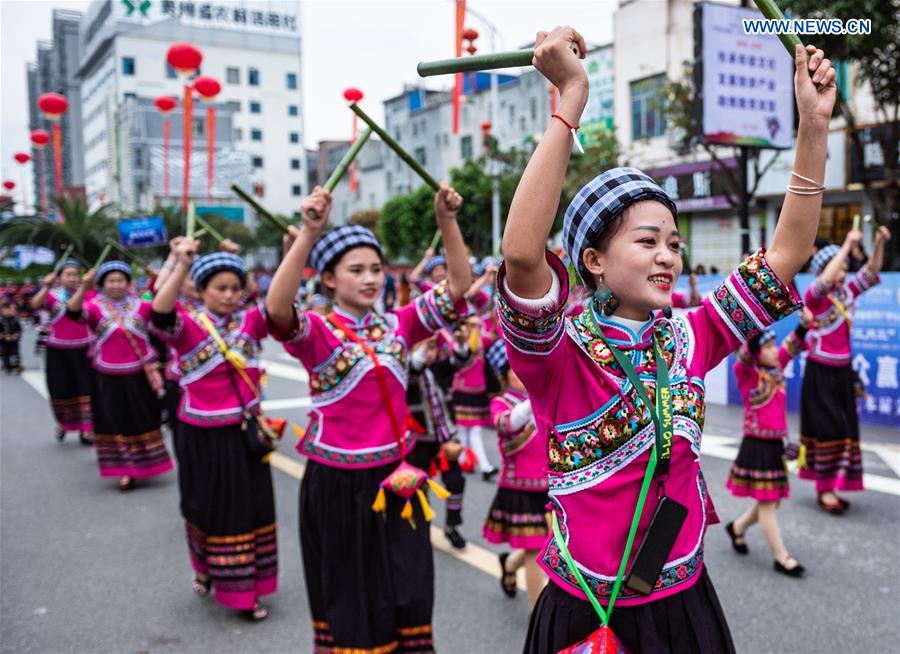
(456, 539)
(257, 614)
(832, 509)
(796, 571)
(60, 435)
(740, 548)
(490, 474)
(507, 579)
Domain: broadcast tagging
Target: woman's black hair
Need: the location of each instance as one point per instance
(331, 265)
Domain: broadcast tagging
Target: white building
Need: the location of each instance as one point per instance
(252, 48)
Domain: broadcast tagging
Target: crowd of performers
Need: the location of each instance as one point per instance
(595, 389)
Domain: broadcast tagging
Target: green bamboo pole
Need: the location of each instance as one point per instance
(128, 253)
(201, 232)
(393, 145)
(103, 254)
(771, 11)
(62, 259)
(191, 219)
(348, 159)
(494, 61)
(436, 239)
(513, 59)
(246, 197)
(212, 231)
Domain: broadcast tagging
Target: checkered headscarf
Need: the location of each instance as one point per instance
(766, 336)
(208, 265)
(601, 201)
(336, 242)
(478, 269)
(821, 259)
(433, 263)
(113, 266)
(70, 263)
(496, 357)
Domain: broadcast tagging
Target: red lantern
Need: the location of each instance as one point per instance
(353, 95)
(165, 104)
(22, 157)
(186, 59)
(8, 184)
(209, 88)
(53, 105)
(40, 138)
(469, 34)
(471, 49)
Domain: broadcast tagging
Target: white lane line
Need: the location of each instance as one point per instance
(287, 403)
(476, 556)
(719, 447)
(295, 372)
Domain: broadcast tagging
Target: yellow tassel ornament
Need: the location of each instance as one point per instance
(380, 503)
(441, 492)
(426, 508)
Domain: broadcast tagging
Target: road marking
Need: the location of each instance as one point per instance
(295, 372)
(714, 445)
(476, 556)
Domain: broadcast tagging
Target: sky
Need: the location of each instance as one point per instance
(373, 45)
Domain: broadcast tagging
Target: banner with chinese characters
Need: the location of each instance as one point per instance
(745, 81)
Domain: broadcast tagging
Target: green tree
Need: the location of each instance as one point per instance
(86, 230)
(876, 58)
(407, 224)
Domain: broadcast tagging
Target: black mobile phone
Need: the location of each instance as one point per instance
(655, 547)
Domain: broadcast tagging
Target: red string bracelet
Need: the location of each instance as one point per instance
(572, 130)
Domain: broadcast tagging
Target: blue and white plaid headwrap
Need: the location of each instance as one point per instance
(478, 269)
(766, 336)
(113, 266)
(334, 243)
(496, 357)
(70, 263)
(209, 264)
(822, 257)
(433, 263)
(601, 201)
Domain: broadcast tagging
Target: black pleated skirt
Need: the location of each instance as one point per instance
(369, 576)
(690, 622)
(69, 385)
(829, 428)
(229, 509)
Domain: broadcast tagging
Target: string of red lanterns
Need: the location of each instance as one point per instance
(186, 59)
(39, 140)
(165, 104)
(53, 106)
(353, 95)
(22, 158)
(209, 88)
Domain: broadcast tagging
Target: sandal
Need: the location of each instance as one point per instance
(740, 548)
(781, 567)
(201, 586)
(257, 614)
(507, 579)
(86, 438)
(126, 484)
(833, 508)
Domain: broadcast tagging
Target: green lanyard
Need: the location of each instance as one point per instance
(658, 465)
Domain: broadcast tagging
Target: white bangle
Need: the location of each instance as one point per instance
(805, 179)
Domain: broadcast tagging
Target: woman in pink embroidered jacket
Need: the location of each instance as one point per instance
(67, 366)
(125, 405)
(369, 577)
(759, 470)
(621, 232)
(829, 424)
(518, 514)
(226, 489)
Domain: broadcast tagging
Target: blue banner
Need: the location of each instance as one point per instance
(143, 232)
(875, 342)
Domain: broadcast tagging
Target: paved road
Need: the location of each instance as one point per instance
(84, 568)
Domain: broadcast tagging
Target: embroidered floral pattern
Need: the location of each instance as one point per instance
(436, 308)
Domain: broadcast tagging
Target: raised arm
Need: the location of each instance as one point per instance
(815, 92)
(38, 300)
(481, 282)
(76, 302)
(167, 294)
(416, 273)
(459, 272)
(536, 200)
(876, 261)
(832, 269)
(287, 278)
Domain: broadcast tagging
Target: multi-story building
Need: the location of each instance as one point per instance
(252, 48)
(54, 71)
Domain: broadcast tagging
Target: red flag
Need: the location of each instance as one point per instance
(458, 78)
